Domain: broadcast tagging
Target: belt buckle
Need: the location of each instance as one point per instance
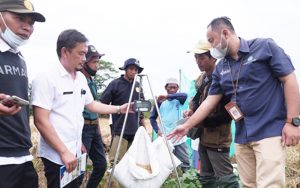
(90, 122)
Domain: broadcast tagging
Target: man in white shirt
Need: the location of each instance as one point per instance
(59, 97)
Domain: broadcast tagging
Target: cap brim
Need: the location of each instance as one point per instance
(94, 55)
(197, 51)
(140, 69)
(35, 15)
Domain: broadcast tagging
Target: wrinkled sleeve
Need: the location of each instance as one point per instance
(42, 92)
(280, 62)
(215, 87)
(107, 94)
(181, 97)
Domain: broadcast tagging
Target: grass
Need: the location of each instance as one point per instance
(292, 158)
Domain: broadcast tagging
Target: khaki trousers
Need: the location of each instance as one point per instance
(261, 164)
(112, 153)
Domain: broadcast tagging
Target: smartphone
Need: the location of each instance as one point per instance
(12, 100)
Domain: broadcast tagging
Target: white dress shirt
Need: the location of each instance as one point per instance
(55, 90)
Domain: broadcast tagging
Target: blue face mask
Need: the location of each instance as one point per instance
(10, 37)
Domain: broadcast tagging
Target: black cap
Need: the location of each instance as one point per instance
(132, 61)
(21, 7)
(92, 52)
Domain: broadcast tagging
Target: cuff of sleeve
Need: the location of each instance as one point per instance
(118, 109)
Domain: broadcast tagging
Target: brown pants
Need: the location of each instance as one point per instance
(261, 164)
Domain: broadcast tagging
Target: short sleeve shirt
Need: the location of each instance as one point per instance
(260, 93)
(65, 98)
(117, 93)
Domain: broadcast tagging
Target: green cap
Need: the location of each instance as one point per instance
(21, 7)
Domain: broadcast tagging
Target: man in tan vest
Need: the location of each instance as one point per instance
(215, 130)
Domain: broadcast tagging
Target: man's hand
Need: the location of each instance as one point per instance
(123, 108)
(290, 135)
(162, 98)
(8, 110)
(142, 122)
(83, 148)
(179, 132)
(187, 113)
(69, 160)
(159, 133)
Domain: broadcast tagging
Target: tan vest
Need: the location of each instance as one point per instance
(212, 134)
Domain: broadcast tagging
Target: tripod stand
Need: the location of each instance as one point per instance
(161, 126)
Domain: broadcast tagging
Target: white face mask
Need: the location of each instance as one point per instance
(10, 37)
(218, 52)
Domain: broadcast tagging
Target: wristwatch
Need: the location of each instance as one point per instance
(294, 121)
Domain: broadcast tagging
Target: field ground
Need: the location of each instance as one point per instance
(292, 156)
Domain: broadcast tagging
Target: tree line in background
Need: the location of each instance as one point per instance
(105, 74)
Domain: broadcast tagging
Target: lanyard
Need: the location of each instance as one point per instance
(235, 86)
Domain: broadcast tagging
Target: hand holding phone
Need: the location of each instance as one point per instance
(9, 101)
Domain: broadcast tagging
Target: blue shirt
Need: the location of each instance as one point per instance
(260, 93)
(171, 111)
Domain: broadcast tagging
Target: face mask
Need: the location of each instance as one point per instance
(89, 70)
(10, 37)
(218, 52)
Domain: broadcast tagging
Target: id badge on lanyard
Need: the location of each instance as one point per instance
(231, 107)
(234, 111)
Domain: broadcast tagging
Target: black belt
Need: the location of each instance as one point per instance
(91, 122)
(221, 150)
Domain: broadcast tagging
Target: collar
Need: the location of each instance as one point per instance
(244, 47)
(62, 71)
(90, 79)
(5, 47)
(123, 78)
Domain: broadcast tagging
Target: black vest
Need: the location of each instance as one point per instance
(15, 131)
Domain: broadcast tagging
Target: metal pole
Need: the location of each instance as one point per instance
(161, 127)
(141, 91)
(122, 133)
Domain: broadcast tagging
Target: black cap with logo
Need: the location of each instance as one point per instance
(21, 7)
(92, 52)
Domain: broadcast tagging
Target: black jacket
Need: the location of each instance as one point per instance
(118, 93)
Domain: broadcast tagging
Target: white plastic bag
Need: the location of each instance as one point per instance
(145, 164)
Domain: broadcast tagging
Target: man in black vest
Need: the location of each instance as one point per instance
(17, 18)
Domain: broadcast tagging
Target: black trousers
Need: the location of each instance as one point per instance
(92, 141)
(52, 175)
(216, 169)
(214, 163)
(18, 176)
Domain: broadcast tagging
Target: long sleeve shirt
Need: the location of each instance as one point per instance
(181, 97)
